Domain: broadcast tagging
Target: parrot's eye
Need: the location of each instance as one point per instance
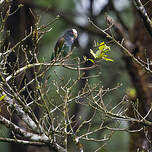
(71, 33)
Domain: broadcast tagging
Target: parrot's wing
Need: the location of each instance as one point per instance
(58, 47)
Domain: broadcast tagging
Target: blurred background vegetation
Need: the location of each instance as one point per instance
(111, 73)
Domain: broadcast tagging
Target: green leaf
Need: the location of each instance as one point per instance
(93, 54)
(91, 60)
(2, 97)
(107, 59)
(101, 52)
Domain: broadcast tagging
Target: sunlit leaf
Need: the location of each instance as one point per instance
(2, 97)
(101, 52)
(107, 59)
(91, 51)
(91, 60)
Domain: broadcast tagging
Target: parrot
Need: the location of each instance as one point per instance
(65, 44)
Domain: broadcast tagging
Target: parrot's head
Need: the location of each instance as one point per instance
(71, 35)
(75, 33)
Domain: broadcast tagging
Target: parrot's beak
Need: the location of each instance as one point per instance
(75, 33)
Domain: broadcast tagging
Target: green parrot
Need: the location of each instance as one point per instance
(65, 44)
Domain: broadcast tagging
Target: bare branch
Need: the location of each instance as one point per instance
(142, 11)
